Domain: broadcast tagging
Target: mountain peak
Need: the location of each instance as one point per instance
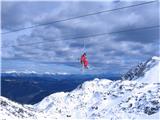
(156, 58)
(151, 67)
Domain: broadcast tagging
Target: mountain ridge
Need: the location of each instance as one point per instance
(139, 70)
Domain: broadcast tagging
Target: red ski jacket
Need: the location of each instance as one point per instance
(84, 60)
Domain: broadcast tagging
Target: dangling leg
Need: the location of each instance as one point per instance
(86, 64)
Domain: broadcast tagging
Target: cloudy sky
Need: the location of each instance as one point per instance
(51, 45)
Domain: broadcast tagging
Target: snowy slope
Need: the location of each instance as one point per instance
(11, 110)
(105, 99)
(145, 72)
(99, 99)
(152, 72)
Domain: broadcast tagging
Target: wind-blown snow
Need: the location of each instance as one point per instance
(100, 99)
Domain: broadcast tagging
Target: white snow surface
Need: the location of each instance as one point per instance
(152, 74)
(98, 99)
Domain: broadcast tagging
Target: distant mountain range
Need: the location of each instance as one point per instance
(30, 73)
(33, 73)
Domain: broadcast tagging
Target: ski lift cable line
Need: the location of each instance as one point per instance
(96, 35)
(77, 17)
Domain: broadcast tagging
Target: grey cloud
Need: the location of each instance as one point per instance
(17, 14)
(112, 47)
(142, 36)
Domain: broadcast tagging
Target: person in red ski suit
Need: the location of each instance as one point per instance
(84, 60)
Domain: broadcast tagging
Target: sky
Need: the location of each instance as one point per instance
(111, 53)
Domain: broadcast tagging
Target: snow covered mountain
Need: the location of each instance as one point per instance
(136, 98)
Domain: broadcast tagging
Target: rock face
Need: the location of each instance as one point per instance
(14, 110)
(141, 69)
(98, 99)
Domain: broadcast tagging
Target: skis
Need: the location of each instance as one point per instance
(83, 69)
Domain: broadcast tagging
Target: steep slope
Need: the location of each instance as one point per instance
(152, 71)
(145, 72)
